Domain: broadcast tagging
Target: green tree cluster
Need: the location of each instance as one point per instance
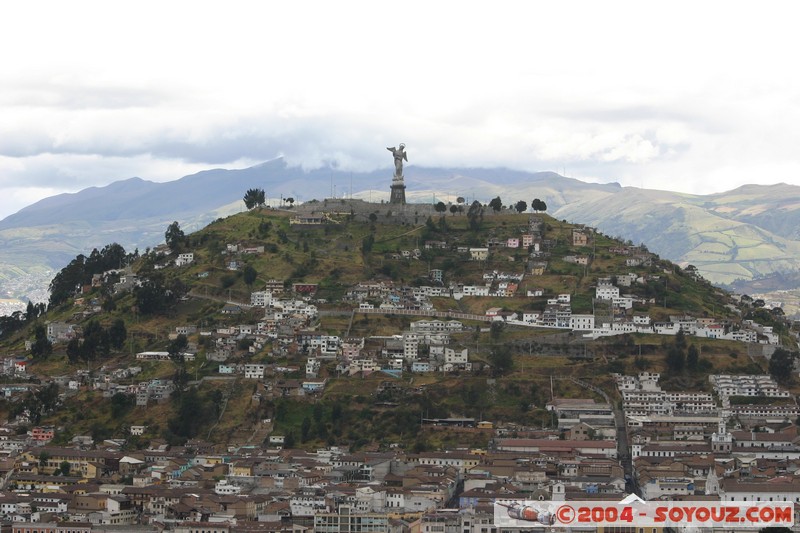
(80, 270)
(475, 215)
(41, 347)
(11, 323)
(97, 341)
(195, 411)
(121, 404)
(254, 198)
(38, 403)
(538, 205)
(155, 296)
(174, 237)
(176, 348)
(781, 365)
(682, 356)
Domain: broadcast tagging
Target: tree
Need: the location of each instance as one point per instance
(290, 201)
(11, 323)
(153, 297)
(176, 348)
(781, 365)
(440, 207)
(496, 204)
(680, 339)
(96, 341)
(496, 329)
(41, 347)
(366, 243)
(117, 333)
(521, 206)
(453, 209)
(501, 360)
(249, 275)
(74, 350)
(41, 402)
(475, 215)
(68, 279)
(121, 403)
(538, 205)
(317, 413)
(460, 200)
(174, 236)
(692, 358)
(254, 198)
(676, 359)
(43, 458)
(80, 270)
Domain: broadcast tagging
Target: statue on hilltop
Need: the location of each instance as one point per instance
(399, 155)
(398, 194)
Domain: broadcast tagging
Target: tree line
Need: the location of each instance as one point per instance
(258, 198)
(80, 270)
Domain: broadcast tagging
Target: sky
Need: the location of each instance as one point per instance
(698, 97)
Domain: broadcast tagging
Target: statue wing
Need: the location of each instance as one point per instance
(405, 156)
(392, 149)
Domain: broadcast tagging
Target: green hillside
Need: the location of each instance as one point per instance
(511, 381)
(741, 235)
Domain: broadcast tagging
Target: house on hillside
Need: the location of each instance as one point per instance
(479, 254)
(537, 268)
(184, 259)
(579, 237)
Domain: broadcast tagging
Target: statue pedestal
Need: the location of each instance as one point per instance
(398, 195)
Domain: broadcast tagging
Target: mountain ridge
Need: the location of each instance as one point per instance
(750, 232)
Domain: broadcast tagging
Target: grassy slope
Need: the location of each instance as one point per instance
(330, 255)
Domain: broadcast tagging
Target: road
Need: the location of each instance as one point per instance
(623, 447)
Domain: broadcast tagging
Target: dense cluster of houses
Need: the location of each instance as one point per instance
(384, 296)
(739, 442)
(691, 449)
(685, 443)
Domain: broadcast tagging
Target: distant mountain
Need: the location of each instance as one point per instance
(744, 234)
(751, 232)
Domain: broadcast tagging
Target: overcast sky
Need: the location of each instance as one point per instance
(691, 96)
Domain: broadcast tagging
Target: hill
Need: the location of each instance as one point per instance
(742, 235)
(745, 234)
(352, 256)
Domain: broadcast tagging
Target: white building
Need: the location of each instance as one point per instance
(772, 490)
(410, 346)
(457, 357)
(606, 292)
(254, 370)
(581, 322)
(479, 254)
(261, 299)
(184, 259)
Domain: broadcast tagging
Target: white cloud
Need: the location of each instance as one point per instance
(685, 96)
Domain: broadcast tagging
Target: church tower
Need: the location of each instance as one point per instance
(722, 440)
